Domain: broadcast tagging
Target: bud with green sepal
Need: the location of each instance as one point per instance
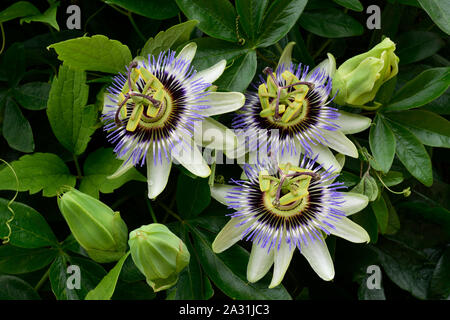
(357, 80)
(96, 227)
(159, 254)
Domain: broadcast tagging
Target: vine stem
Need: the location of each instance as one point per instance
(152, 213)
(169, 211)
(42, 280)
(77, 166)
(133, 23)
(318, 52)
(3, 37)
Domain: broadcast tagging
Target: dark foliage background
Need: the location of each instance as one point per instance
(412, 249)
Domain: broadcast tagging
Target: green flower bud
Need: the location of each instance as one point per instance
(96, 227)
(159, 254)
(358, 79)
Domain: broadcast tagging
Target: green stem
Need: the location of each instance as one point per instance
(42, 280)
(133, 23)
(152, 213)
(3, 38)
(324, 45)
(77, 166)
(167, 209)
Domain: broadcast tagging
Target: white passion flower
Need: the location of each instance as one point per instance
(290, 111)
(151, 111)
(282, 207)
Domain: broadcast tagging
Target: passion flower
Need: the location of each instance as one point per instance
(150, 114)
(291, 112)
(284, 206)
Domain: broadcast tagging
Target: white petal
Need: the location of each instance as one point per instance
(318, 256)
(259, 263)
(188, 52)
(348, 230)
(291, 156)
(212, 73)
(229, 235)
(222, 102)
(328, 65)
(350, 123)
(282, 259)
(353, 202)
(325, 157)
(214, 135)
(157, 175)
(191, 158)
(220, 191)
(125, 166)
(286, 56)
(339, 142)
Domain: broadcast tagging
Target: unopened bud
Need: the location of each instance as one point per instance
(96, 227)
(159, 254)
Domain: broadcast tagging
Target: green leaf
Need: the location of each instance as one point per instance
(17, 10)
(105, 289)
(211, 51)
(14, 288)
(382, 143)
(98, 166)
(354, 5)
(381, 212)
(193, 196)
(49, 16)
(367, 219)
(169, 39)
(28, 229)
(32, 95)
(414, 46)
(251, 13)
(330, 23)
(71, 120)
(91, 274)
(392, 178)
(421, 90)
(280, 17)
(428, 127)
(239, 74)
(228, 271)
(133, 291)
(439, 12)
(16, 128)
(15, 260)
(39, 171)
(412, 154)
(440, 280)
(96, 53)
(154, 9)
(216, 18)
(348, 179)
(300, 49)
(13, 63)
(386, 91)
(393, 222)
(407, 268)
(192, 284)
(439, 105)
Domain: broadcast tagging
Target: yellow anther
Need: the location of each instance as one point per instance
(290, 197)
(264, 183)
(289, 77)
(135, 117)
(263, 96)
